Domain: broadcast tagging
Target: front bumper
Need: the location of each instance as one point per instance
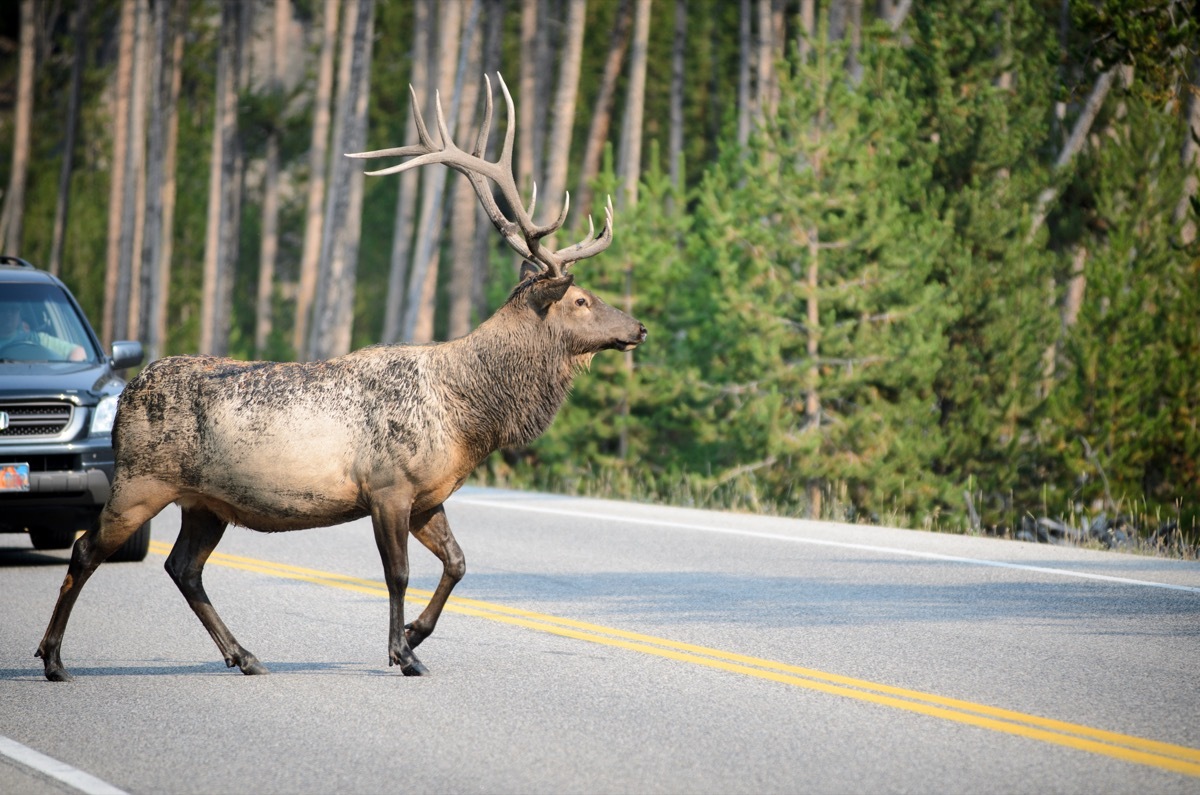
(69, 479)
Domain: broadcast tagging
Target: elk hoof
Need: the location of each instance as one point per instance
(53, 666)
(247, 663)
(414, 668)
(58, 674)
(253, 667)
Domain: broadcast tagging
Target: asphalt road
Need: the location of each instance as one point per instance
(600, 647)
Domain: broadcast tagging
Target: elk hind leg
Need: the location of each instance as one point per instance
(131, 504)
(433, 531)
(200, 532)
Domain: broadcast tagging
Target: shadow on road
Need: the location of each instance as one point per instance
(215, 668)
(17, 556)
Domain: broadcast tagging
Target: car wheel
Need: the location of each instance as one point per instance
(51, 537)
(135, 547)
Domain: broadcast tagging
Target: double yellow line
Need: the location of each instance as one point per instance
(1165, 756)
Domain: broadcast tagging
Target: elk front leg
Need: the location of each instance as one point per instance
(131, 504)
(390, 518)
(199, 534)
(433, 530)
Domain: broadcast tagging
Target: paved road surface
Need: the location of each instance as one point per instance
(607, 647)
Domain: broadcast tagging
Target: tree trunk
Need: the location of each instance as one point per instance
(602, 111)
(1083, 126)
(116, 194)
(484, 239)
(269, 248)
(409, 182)
(546, 44)
(897, 14)
(745, 100)
(231, 225)
(422, 284)
(812, 397)
(764, 56)
(214, 331)
(14, 198)
(61, 206)
(630, 159)
(837, 19)
(808, 29)
(310, 256)
(1072, 304)
(133, 227)
(333, 326)
(1073, 301)
(463, 216)
(853, 36)
(327, 294)
(151, 250)
(1190, 158)
(527, 93)
(157, 338)
(558, 150)
(678, 84)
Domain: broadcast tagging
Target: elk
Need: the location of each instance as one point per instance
(388, 431)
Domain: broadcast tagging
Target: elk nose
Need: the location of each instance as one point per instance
(641, 333)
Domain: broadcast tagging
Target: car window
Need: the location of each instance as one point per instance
(38, 323)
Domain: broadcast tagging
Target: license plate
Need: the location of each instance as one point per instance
(14, 477)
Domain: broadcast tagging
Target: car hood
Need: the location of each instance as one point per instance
(84, 382)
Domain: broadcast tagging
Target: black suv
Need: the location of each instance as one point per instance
(58, 399)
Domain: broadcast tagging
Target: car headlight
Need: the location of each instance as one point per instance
(103, 415)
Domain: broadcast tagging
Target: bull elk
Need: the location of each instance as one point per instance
(389, 431)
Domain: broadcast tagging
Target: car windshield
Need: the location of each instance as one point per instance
(39, 324)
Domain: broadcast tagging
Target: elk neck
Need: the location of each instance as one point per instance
(505, 381)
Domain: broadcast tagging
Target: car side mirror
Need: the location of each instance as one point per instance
(126, 353)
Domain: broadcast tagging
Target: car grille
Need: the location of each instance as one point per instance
(35, 420)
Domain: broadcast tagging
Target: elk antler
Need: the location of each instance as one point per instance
(522, 234)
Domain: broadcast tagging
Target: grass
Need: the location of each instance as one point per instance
(745, 493)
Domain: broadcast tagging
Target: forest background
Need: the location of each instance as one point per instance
(925, 263)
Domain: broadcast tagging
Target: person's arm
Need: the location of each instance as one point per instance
(60, 347)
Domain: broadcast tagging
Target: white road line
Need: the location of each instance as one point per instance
(72, 777)
(824, 543)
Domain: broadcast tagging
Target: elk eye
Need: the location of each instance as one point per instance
(580, 302)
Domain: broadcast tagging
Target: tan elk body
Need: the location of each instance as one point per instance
(389, 431)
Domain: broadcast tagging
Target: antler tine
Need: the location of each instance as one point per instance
(486, 129)
(425, 146)
(443, 130)
(426, 158)
(419, 119)
(506, 151)
(562, 214)
(591, 245)
(508, 186)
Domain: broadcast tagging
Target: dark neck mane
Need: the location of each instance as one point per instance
(505, 381)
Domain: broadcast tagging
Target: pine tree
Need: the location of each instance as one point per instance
(723, 287)
(990, 142)
(1124, 419)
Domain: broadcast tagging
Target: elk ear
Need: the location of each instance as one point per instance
(546, 291)
(528, 270)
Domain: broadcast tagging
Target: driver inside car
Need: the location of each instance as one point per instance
(13, 330)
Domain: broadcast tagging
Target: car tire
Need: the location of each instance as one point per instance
(135, 548)
(51, 537)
